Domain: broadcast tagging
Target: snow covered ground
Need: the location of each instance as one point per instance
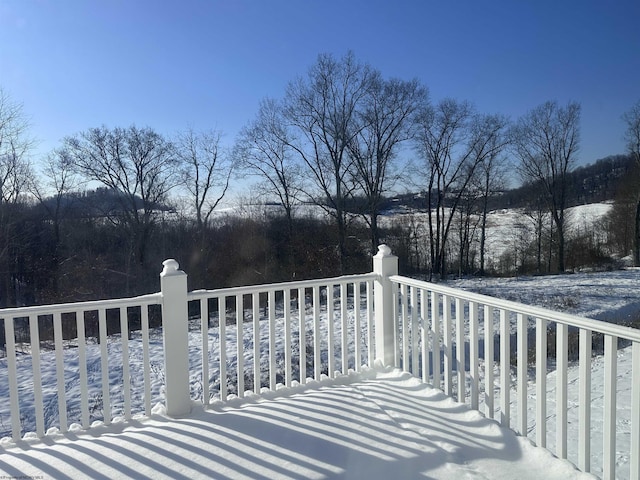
(294, 439)
(609, 296)
(325, 429)
(377, 425)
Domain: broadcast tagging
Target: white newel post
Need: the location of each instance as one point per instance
(173, 284)
(384, 264)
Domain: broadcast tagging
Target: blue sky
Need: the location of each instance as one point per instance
(207, 64)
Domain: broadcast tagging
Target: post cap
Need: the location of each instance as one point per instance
(383, 251)
(170, 267)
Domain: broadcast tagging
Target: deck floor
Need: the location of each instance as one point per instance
(369, 426)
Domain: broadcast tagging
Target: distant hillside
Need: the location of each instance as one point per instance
(594, 183)
(101, 202)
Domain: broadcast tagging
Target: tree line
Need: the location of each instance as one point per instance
(110, 203)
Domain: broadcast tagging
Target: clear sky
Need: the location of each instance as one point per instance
(76, 64)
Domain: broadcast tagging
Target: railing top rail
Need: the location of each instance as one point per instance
(15, 312)
(599, 326)
(269, 287)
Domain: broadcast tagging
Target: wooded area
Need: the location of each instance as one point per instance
(102, 211)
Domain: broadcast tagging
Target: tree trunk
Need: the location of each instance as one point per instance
(636, 250)
(539, 240)
(559, 221)
(483, 237)
(375, 235)
(342, 237)
(561, 265)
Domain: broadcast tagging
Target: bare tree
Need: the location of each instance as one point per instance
(206, 171)
(15, 177)
(56, 197)
(491, 176)
(60, 181)
(546, 141)
(453, 141)
(386, 120)
(467, 226)
(537, 212)
(139, 166)
(322, 111)
(15, 169)
(632, 136)
(264, 149)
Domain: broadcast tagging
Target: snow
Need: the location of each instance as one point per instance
(377, 424)
(508, 230)
(609, 296)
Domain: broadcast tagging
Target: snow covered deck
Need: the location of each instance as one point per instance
(374, 424)
(86, 406)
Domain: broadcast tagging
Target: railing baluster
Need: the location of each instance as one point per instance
(562, 346)
(489, 389)
(541, 382)
(473, 354)
(435, 339)
(62, 399)
(635, 412)
(126, 373)
(204, 332)
(331, 318)
(415, 353)
(317, 365)
(272, 340)
(144, 318)
(239, 323)
(505, 369)
(357, 331)
(446, 344)
(396, 326)
(460, 354)
(424, 310)
(302, 335)
(104, 365)
(82, 365)
(10, 345)
(609, 427)
(370, 334)
(34, 333)
(287, 337)
(240, 345)
(255, 312)
(222, 332)
(584, 402)
(404, 324)
(522, 372)
(343, 332)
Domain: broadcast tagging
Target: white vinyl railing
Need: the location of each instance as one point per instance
(317, 327)
(252, 338)
(27, 395)
(448, 337)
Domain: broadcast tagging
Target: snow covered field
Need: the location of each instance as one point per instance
(610, 296)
